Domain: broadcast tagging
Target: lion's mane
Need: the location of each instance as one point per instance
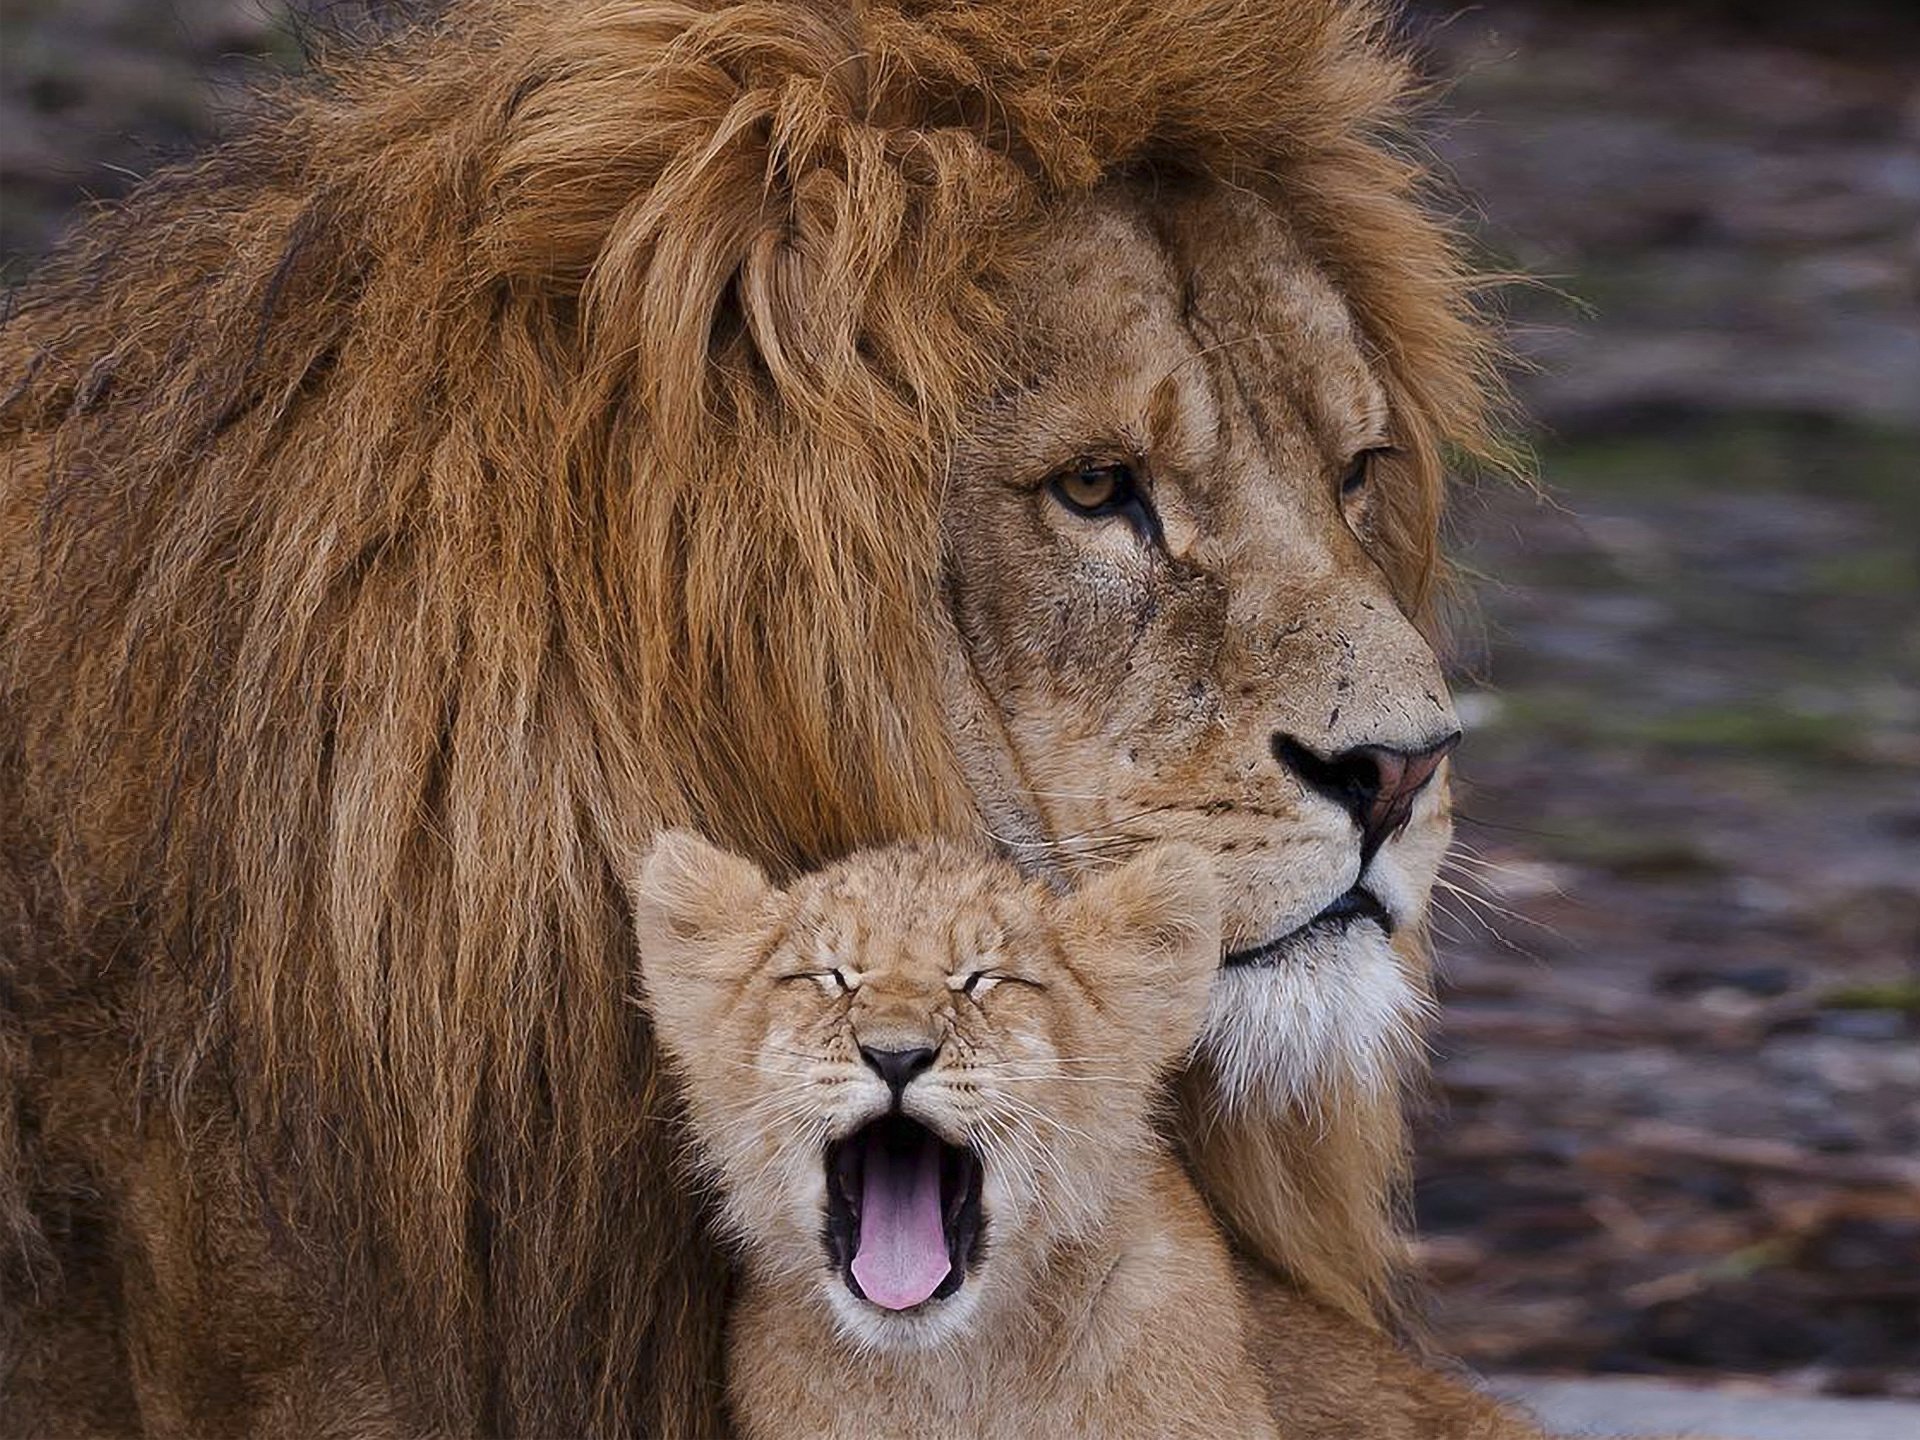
(529, 434)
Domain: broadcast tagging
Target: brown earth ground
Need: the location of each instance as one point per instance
(1677, 1126)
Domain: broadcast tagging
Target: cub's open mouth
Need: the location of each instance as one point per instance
(1356, 905)
(903, 1213)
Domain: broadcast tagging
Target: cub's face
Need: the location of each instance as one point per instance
(1166, 536)
(915, 1070)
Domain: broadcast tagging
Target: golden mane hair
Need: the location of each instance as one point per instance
(527, 435)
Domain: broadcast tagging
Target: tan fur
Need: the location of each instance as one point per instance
(563, 420)
(1106, 1304)
(1132, 694)
(1331, 1379)
(1103, 1303)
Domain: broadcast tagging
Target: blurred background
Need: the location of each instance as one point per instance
(1676, 1128)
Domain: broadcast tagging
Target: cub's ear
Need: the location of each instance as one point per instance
(694, 908)
(1148, 937)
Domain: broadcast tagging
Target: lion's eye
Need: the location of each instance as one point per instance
(834, 982)
(1097, 491)
(1093, 489)
(979, 983)
(1360, 473)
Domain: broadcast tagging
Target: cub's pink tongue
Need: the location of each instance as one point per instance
(901, 1256)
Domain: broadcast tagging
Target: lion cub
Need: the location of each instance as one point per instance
(923, 1085)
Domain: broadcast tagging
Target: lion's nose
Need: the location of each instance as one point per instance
(1376, 784)
(898, 1067)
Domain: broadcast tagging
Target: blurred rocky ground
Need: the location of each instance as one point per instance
(1677, 1126)
(95, 94)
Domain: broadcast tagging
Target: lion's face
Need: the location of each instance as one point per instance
(1175, 627)
(915, 1072)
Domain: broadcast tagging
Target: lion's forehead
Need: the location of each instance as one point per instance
(1133, 307)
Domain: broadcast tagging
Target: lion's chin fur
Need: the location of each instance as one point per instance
(528, 435)
(1337, 1015)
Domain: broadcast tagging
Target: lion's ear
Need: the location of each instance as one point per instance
(694, 908)
(1148, 936)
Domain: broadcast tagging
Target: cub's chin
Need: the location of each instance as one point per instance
(938, 1323)
(1326, 1006)
(904, 1234)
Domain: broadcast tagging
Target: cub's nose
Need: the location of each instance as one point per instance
(1376, 784)
(898, 1067)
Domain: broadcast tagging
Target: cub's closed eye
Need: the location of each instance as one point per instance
(831, 981)
(1095, 491)
(981, 981)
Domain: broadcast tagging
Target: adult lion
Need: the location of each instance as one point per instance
(811, 422)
